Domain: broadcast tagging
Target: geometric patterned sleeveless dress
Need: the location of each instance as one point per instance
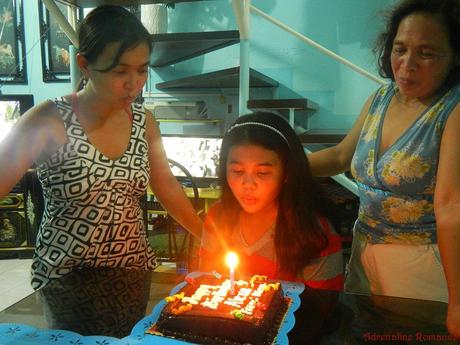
(92, 215)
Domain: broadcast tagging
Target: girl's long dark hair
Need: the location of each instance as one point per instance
(298, 235)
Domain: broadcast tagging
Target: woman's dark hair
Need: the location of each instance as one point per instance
(449, 13)
(298, 233)
(108, 24)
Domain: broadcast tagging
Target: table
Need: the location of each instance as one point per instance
(110, 301)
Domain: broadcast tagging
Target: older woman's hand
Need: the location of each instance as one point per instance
(453, 320)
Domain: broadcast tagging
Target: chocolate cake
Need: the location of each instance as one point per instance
(206, 312)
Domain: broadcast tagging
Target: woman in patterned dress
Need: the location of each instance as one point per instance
(404, 153)
(96, 151)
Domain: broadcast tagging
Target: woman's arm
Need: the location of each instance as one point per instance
(36, 131)
(165, 186)
(447, 211)
(337, 159)
(213, 246)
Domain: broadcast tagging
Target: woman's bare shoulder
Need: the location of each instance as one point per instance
(46, 112)
(46, 118)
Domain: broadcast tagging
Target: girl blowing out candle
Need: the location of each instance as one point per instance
(271, 212)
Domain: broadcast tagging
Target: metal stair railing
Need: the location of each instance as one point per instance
(242, 8)
(317, 45)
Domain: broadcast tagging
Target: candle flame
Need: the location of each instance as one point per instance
(231, 260)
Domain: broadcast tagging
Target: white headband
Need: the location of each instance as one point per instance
(259, 124)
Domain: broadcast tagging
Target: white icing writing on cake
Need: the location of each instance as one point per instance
(211, 296)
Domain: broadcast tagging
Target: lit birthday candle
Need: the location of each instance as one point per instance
(232, 261)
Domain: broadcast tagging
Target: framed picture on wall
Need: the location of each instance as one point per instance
(54, 45)
(12, 47)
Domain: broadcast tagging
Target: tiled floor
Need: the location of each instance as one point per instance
(14, 281)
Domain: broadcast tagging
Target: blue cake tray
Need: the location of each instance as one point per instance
(20, 334)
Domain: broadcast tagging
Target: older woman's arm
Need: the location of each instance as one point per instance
(336, 159)
(447, 211)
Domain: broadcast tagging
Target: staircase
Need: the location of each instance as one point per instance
(291, 105)
(173, 48)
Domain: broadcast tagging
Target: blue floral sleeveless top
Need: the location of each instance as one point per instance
(396, 189)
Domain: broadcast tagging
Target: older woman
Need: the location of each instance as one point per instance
(404, 154)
